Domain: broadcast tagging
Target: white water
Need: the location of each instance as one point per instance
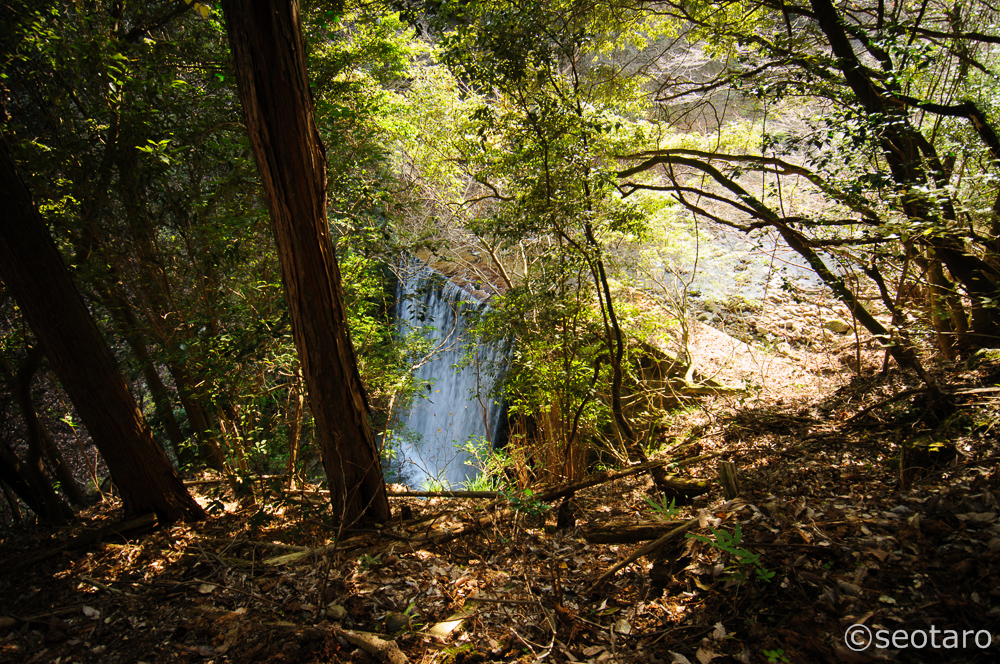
(455, 406)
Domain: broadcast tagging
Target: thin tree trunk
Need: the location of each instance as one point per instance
(128, 326)
(34, 471)
(269, 60)
(67, 483)
(15, 474)
(209, 451)
(15, 509)
(295, 427)
(31, 266)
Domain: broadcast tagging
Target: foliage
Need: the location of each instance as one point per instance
(862, 166)
(524, 502)
(775, 656)
(662, 509)
(571, 155)
(743, 560)
(493, 466)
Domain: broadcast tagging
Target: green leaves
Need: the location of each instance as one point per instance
(741, 558)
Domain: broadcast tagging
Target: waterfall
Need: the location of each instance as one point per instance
(454, 404)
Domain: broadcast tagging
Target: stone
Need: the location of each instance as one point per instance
(838, 326)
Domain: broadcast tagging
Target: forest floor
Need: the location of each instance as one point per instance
(824, 537)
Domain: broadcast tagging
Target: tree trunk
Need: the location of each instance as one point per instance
(15, 509)
(40, 442)
(199, 419)
(907, 152)
(34, 271)
(40, 498)
(34, 470)
(294, 422)
(67, 482)
(128, 326)
(269, 59)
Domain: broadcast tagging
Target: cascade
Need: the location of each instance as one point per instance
(456, 405)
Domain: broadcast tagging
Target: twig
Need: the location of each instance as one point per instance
(875, 406)
(385, 651)
(238, 590)
(101, 586)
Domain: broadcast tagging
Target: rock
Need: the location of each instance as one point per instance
(849, 589)
(838, 326)
(705, 317)
(397, 622)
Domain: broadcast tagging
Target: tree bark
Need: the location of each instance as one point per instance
(34, 470)
(67, 482)
(40, 441)
(269, 59)
(199, 418)
(31, 266)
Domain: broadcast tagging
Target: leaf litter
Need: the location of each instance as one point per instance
(822, 537)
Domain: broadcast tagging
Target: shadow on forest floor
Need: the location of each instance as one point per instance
(823, 538)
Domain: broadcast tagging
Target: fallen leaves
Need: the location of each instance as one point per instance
(820, 509)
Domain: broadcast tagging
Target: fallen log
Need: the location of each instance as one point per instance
(649, 548)
(556, 492)
(673, 534)
(444, 494)
(627, 533)
(413, 494)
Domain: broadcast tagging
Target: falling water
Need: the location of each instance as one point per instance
(456, 405)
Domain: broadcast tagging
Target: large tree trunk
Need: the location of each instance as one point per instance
(34, 271)
(269, 58)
